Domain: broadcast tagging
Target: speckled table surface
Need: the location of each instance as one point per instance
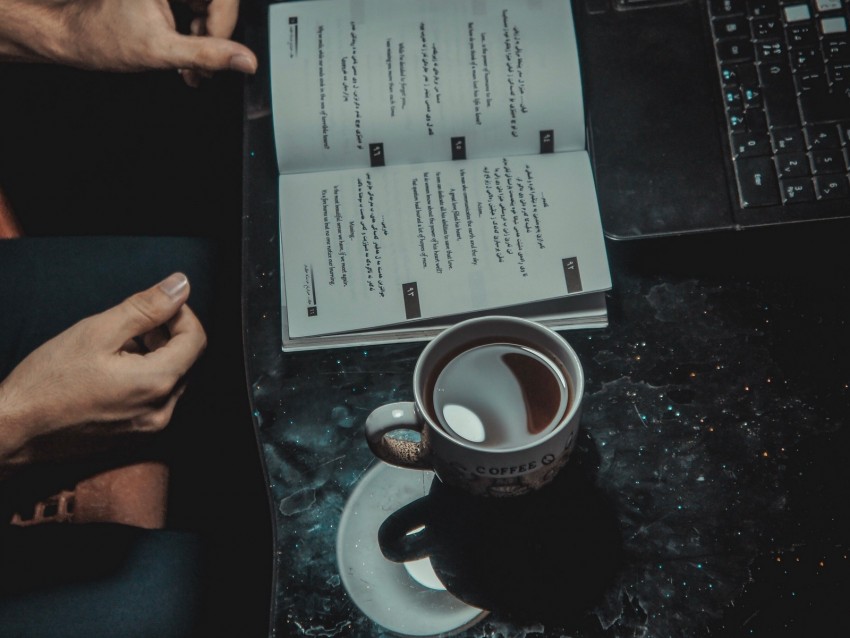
(715, 429)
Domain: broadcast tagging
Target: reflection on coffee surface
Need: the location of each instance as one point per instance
(500, 396)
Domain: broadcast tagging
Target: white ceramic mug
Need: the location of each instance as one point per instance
(470, 464)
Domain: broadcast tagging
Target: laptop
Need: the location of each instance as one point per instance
(716, 114)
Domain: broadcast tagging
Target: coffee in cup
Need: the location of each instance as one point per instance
(496, 408)
(485, 394)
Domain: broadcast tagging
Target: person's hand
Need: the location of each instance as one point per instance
(113, 373)
(124, 35)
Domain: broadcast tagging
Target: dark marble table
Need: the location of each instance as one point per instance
(715, 424)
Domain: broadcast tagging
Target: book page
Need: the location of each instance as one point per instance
(571, 313)
(362, 83)
(364, 248)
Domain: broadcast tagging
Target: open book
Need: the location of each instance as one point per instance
(433, 167)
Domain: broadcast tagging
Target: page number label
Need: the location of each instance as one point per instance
(572, 274)
(410, 294)
(376, 154)
(547, 141)
(458, 148)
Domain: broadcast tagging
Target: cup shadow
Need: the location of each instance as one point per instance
(547, 556)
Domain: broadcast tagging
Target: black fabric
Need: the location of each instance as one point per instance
(100, 581)
(49, 283)
(69, 580)
(117, 180)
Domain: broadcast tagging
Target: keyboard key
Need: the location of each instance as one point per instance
(844, 133)
(828, 5)
(750, 144)
(747, 74)
(729, 74)
(755, 120)
(837, 24)
(819, 137)
(832, 186)
(801, 34)
(751, 96)
(735, 118)
(762, 8)
(778, 94)
(781, 107)
(732, 50)
(839, 75)
(766, 28)
(734, 27)
(816, 107)
(733, 74)
(813, 81)
(792, 165)
(828, 161)
(797, 190)
(723, 8)
(787, 140)
(732, 97)
(837, 48)
(770, 50)
(806, 58)
(757, 183)
(776, 73)
(796, 12)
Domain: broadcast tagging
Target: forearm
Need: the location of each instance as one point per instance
(31, 30)
(15, 430)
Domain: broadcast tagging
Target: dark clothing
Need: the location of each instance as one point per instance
(47, 284)
(99, 581)
(87, 580)
(118, 181)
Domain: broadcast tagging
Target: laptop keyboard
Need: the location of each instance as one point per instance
(785, 76)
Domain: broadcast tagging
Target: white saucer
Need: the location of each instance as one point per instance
(407, 599)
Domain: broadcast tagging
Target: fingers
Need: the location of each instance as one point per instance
(209, 54)
(144, 311)
(214, 17)
(156, 419)
(221, 18)
(186, 343)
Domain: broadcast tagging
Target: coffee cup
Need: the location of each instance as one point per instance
(544, 557)
(496, 409)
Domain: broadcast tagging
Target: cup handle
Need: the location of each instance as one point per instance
(403, 536)
(398, 416)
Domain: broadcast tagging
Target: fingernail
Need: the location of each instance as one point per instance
(242, 63)
(174, 284)
(191, 78)
(196, 26)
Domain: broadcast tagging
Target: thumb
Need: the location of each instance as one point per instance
(206, 53)
(146, 310)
